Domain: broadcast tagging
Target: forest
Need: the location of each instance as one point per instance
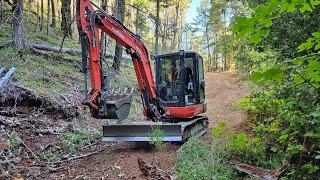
(261, 88)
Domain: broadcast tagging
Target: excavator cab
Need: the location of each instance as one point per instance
(180, 79)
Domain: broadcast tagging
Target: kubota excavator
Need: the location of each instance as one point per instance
(172, 101)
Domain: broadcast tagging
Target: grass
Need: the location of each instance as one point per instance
(72, 141)
(69, 144)
(194, 161)
(46, 76)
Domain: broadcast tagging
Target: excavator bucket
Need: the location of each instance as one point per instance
(142, 130)
(116, 104)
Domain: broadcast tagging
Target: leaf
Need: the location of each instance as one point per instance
(283, 138)
(316, 35)
(306, 45)
(243, 26)
(294, 149)
(275, 74)
(298, 79)
(315, 2)
(297, 61)
(317, 47)
(305, 7)
(316, 113)
(317, 157)
(256, 77)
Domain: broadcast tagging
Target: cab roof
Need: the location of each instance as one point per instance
(177, 53)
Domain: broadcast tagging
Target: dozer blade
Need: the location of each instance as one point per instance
(141, 131)
(117, 104)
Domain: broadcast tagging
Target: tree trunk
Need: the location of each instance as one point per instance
(38, 16)
(156, 44)
(42, 16)
(66, 18)
(59, 12)
(208, 48)
(103, 35)
(225, 41)
(53, 21)
(175, 30)
(137, 21)
(17, 24)
(119, 14)
(180, 33)
(48, 18)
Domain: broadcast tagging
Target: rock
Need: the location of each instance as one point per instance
(17, 160)
(121, 175)
(65, 156)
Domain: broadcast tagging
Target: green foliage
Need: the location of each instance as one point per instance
(219, 130)
(194, 161)
(72, 141)
(49, 156)
(257, 26)
(156, 137)
(311, 42)
(285, 104)
(273, 74)
(15, 141)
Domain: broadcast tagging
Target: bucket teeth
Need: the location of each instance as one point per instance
(117, 103)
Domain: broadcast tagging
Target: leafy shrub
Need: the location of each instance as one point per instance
(156, 137)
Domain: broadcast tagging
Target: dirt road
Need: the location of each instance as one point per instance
(120, 160)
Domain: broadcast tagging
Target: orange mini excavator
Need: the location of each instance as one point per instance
(172, 101)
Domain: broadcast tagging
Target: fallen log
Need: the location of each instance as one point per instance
(50, 48)
(258, 172)
(45, 47)
(73, 51)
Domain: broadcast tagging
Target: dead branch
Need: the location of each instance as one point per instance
(258, 172)
(152, 171)
(65, 98)
(6, 77)
(79, 157)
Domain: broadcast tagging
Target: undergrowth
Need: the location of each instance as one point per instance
(68, 145)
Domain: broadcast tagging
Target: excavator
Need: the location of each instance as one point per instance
(173, 100)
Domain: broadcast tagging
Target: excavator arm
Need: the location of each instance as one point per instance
(90, 21)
